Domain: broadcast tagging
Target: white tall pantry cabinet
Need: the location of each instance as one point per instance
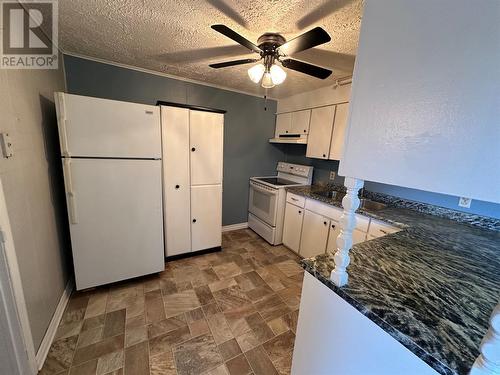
(192, 142)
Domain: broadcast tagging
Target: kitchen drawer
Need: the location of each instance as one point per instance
(295, 199)
(362, 223)
(324, 209)
(379, 228)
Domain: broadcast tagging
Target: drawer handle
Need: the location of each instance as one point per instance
(294, 199)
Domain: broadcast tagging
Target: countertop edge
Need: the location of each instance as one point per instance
(403, 339)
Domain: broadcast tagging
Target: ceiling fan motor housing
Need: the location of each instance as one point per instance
(269, 42)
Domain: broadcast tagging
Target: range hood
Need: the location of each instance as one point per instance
(290, 138)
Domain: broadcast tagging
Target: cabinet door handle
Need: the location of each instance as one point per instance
(194, 220)
(193, 149)
(294, 199)
(384, 231)
(177, 186)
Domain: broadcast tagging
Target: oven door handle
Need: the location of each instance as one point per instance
(262, 189)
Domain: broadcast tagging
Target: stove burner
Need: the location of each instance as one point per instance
(277, 181)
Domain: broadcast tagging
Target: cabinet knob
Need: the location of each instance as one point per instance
(324, 155)
(286, 131)
(193, 149)
(324, 222)
(194, 220)
(305, 130)
(300, 212)
(177, 186)
(333, 226)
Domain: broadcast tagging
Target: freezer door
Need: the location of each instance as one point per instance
(93, 127)
(115, 213)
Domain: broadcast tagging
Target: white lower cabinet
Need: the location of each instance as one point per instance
(334, 232)
(358, 236)
(314, 234)
(206, 216)
(313, 230)
(292, 226)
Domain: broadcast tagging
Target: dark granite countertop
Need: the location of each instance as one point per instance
(432, 286)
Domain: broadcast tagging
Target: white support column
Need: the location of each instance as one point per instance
(488, 362)
(347, 224)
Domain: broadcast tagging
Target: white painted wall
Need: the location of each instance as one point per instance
(315, 98)
(425, 103)
(32, 186)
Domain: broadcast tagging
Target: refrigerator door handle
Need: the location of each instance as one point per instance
(63, 135)
(69, 190)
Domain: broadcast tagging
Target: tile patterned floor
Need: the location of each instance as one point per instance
(231, 312)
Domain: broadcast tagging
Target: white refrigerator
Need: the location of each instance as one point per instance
(111, 155)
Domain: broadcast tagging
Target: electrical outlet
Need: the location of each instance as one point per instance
(464, 202)
(332, 175)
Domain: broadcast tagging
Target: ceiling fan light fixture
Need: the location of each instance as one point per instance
(267, 81)
(256, 72)
(278, 75)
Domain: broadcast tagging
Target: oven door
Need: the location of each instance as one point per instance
(262, 202)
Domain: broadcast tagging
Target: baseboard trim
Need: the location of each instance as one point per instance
(43, 350)
(194, 253)
(228, 228)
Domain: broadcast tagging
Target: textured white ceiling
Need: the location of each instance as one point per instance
(175, 37)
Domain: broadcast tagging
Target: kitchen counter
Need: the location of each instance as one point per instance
(431, 286)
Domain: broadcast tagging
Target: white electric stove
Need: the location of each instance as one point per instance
(266, 204)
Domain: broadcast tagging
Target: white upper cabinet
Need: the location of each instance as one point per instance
(283, 124)
(320, 132)
(300, 122)
(338, 134)
(206, 137)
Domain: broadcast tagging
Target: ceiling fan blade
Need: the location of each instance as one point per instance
(224, 30)
(232, 63)
(309, 39)
(312, 70)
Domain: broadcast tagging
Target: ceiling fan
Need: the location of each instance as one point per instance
(273, 48)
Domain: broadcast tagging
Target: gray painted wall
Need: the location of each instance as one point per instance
(322, 168)
(247, 126)
(33, 187)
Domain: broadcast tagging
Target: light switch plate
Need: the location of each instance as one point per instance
(464, 202)
(332, 175)
(6, 145)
